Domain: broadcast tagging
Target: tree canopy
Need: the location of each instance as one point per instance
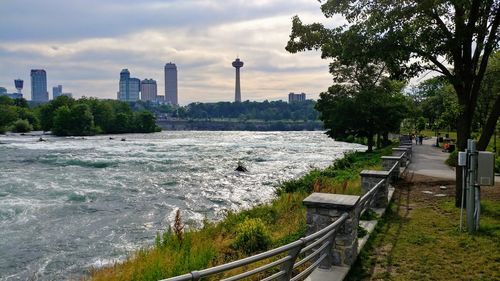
(454, 38)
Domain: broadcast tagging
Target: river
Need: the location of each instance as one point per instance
(69, 204)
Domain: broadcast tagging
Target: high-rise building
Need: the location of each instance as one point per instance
(129, 88)
(39, 85)
(56, 91)
(171, 83)
(292, 97)
(148, 90)
(237, 90)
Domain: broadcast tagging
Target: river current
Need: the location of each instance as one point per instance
(69, 204)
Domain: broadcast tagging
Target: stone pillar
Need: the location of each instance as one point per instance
(388, 162)
(400, 152)
(325, 208)
(408, 150)
(371, 178)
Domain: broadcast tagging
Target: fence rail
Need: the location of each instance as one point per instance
(298, 259)
(312, 246)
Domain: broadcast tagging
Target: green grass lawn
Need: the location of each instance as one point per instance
(418, 239)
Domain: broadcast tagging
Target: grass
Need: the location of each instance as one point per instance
(214, 244)
(419, 240)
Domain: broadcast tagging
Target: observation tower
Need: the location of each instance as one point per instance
(19, 85)
(237, 91)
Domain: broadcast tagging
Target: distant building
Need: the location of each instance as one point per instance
(129, 88)
(292, 97)
(56, 91)
(148, 90)
(69, 95)
(237, 89)
(160, 99)
(18, 83)
(39, 85)
(171, 83)
(3, 92)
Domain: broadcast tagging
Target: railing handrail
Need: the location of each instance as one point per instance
(298, 245)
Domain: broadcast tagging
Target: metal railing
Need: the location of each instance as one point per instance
(314, 248)
(366, 201)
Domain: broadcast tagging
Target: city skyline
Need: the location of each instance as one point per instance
(202, 37)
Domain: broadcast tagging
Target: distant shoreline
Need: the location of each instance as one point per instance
(230, 125)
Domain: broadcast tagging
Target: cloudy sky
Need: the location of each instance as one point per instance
(83, 45)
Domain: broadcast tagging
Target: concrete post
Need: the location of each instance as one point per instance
(408, 150)
(400, 152)
(371, 178)
(388, 162)
(325, 208)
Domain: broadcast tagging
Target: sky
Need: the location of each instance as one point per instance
(83, 45)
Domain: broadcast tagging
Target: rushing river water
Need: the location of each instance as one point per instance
(68, 204)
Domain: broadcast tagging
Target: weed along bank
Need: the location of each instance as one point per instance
(337, 228)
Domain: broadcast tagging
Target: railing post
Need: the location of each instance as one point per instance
(401, 152)
(388, 162)
(371, 178)
(288, 266)
(325, 208)
(408, 150)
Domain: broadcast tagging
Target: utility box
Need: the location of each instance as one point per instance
(462, 159)
(485, 168)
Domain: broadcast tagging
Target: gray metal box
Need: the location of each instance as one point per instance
(485, 168)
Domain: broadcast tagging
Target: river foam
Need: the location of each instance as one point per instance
(67, 204)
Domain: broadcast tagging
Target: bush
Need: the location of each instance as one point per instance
(21, 126)
(3, 130)
(252, 236)
(497, 165)
(452, 159)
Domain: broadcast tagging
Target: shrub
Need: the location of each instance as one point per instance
(21, 126)
(497, 165)
(252, 236)
(3, 130)
(452, 159)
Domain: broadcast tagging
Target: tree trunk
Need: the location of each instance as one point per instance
(463, 133)
(370, 143)
(490, 126)
(385, 140)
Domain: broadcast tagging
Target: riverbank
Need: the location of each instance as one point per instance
(276, 223)
(234, 125)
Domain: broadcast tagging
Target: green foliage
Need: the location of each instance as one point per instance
(89, 116)
(21, 126)
(8, 114)
(247, 110)
(497, 164)
(452, 160)
(252, 236)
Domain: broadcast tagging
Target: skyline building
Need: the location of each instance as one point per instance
(292, 97)
(56, 91)
(237, 90)
(19, 83)
(39, 85)
(149, 90)
(129, 88)
(171, 95)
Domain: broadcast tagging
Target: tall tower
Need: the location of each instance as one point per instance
(19, 85)
(148, 90)
(171, 83)
(237, 90)
(39, 85)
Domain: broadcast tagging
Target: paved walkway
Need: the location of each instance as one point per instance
(428, 160)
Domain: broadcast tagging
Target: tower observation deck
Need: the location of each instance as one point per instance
(237, 91)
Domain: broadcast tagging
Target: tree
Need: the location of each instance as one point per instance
(145, 122)
(454, 38)
(81, 120)
(61, 121)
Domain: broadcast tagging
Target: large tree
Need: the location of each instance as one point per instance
(454, 38)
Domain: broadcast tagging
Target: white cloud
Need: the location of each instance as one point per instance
(90, 65)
